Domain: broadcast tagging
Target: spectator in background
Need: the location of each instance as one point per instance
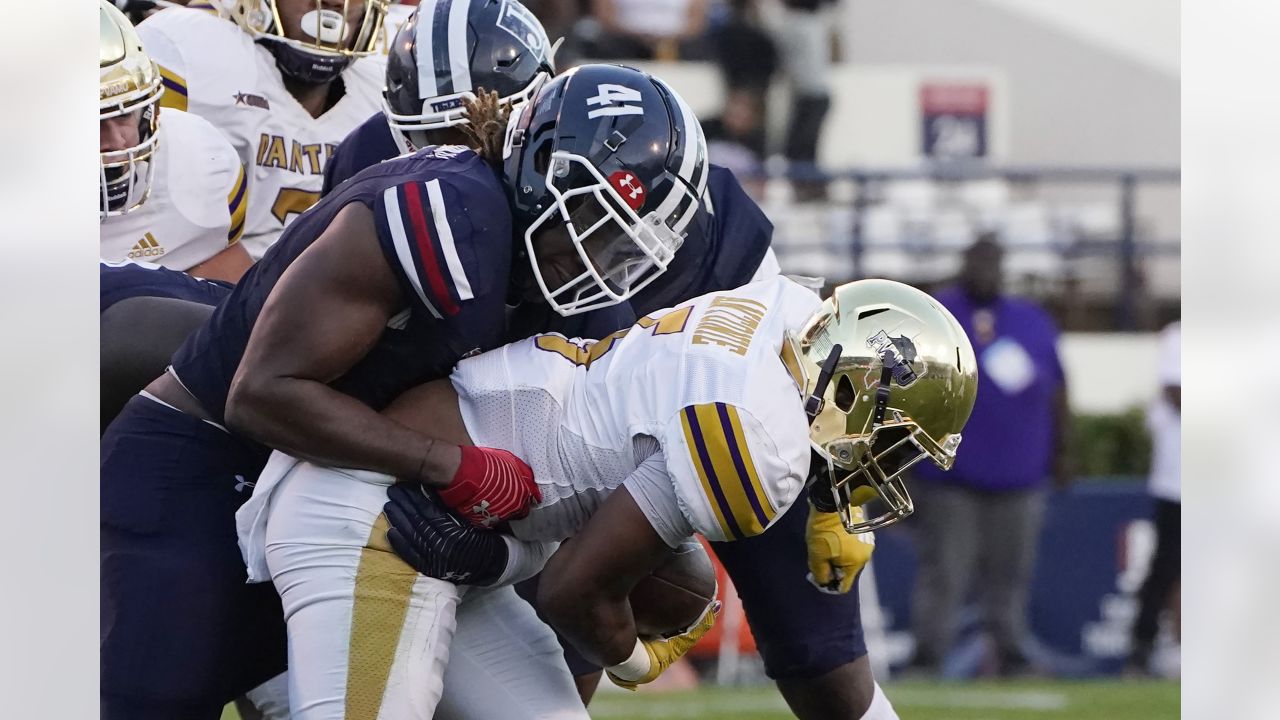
(645, 29)
(985, 514)
(735, 138)
(803, 34)
(1164, 420)
(748, 60)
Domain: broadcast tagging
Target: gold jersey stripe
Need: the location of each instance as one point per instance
(384, 584)
(749, 465)
(175, 89)
(727, 470)
(702, 474)
(238, 206)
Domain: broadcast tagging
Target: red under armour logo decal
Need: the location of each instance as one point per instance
(629, 187)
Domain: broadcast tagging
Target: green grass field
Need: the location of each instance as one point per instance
(1029, 700)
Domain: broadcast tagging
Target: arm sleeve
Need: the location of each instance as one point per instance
(655, 494)
(729, 477)
(430, 243)
(174, 70)
(524, 559)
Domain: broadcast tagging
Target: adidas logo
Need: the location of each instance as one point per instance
(146, 247)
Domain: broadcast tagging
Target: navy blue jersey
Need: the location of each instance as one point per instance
(369, 144)
(725, 245)
(444, 225)
(121, 281)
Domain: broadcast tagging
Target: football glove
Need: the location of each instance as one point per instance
(654, 655)
(836, 556)
(491, 486)
(439, 544)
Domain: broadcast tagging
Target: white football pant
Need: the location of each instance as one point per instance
(371, 639)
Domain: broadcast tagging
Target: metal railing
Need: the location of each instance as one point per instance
(1128, 246)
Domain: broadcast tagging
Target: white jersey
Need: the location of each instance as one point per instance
(702, 389)
(212, 68)
(196, 208)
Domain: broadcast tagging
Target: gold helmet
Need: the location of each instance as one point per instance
(890, 379)
(129, 87)
(333, 43)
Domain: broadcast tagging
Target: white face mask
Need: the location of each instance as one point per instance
(620, 251)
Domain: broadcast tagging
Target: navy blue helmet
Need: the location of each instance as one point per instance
(617, 158)
(447, 50)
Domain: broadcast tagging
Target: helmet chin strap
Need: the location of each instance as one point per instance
(882, 391)
(814, 403)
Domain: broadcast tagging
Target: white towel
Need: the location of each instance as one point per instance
(251, 518)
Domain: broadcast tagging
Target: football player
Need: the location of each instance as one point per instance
(284, 80)
(172, 189)
(146, 311)
(504, 50)
(822, 670)
(701, 418)
(385, 284)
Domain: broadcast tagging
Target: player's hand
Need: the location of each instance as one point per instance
(439, 544)
(836, 556)
(491, 486)
(663, 652)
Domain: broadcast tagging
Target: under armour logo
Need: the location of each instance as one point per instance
(633, 191)
(487, 519)
(452, 576)
(241, 483)
(629, 187)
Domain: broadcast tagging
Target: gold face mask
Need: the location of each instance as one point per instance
(890, 380)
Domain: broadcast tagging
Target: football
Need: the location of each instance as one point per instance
(671, 598)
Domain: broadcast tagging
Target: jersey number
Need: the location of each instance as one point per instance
(292, 201)
(613, 100)
(590, 351)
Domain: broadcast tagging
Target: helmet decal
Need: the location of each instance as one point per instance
(615, 100)
(897, 353)
(629, 187)
(517, 20)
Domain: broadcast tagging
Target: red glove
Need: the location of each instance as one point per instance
(491, 486)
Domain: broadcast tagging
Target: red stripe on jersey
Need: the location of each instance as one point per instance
(427, 249)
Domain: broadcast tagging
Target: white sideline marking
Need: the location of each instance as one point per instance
(660, 708)
(1037, 700)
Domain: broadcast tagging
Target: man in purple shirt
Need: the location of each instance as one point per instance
(984, 516)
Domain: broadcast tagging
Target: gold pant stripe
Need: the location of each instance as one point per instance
(384, 584)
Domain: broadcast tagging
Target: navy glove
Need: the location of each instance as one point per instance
(438, 543)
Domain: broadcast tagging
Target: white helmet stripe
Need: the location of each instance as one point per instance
(703, 197)
(689, 153)
(426, 60)
(459, 62)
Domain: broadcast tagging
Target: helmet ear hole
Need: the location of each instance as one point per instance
(542, 158)
(845, 394)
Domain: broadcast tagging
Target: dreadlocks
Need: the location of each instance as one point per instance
(488, 125)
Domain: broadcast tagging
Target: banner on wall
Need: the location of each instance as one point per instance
(953, 120)
(1095, 548)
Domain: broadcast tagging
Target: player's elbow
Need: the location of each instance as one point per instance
(562, 607)
(249, 401)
